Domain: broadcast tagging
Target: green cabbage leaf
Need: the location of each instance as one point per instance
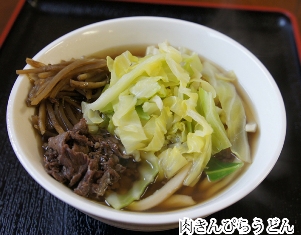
(233, 110)
(208, 109)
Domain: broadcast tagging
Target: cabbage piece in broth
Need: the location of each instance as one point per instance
(233, 109)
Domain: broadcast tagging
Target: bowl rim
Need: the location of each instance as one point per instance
(141, 217)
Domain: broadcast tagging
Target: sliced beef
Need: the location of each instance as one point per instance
(89, 164)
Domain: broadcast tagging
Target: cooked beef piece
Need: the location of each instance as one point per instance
(89, 164)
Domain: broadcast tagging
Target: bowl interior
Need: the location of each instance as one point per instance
(252, 75)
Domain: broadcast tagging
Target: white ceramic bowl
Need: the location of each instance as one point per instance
(253, 77)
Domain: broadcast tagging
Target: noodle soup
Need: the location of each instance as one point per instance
(253, 77)
(91, 153)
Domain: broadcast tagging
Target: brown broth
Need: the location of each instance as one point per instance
(203, 190)
(137, 50)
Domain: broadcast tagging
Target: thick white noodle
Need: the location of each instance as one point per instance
(163, 193)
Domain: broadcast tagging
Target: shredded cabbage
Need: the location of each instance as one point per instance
(171, 160)
(170, 104)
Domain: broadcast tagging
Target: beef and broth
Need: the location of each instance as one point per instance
(89, 164)
(163, 130)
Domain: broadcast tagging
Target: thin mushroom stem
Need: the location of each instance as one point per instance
(87, 85)
(44, 75)
(58, 116)
(98, 77)
(70, 114)
(88, 75)
(64, 118)
(46, 68)
(54, 83)
(88, 94)
(67, 93)
(72, 102)
(59, 76)
(58, 88)
(34, 63)
(53, 119)
(42, 117)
